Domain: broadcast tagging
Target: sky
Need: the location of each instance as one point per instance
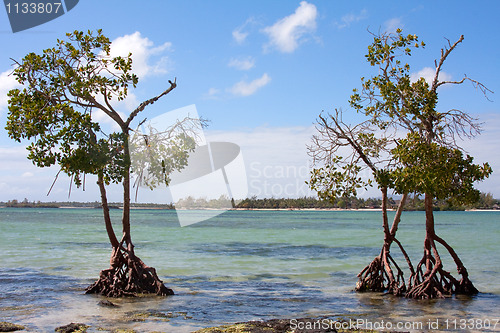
(261, 72)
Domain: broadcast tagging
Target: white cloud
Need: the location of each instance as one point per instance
(346, 20)
(7, 82)
(393, 24)
(20, 179)
(212, 93)
(242, 64)
(484, 148)
(240, 89)
(244, 88)
(239, 36)
(428, 74)
(142, 50)
(275, 170)
(286, 34)
(147, 60)
(129, 104)
(276, 161)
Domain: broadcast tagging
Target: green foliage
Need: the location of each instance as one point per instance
(416, 141)
(332, 182)
(339, 173)
(441, 171)
(223, 202)
(284, 203)
(156, 155)
(486, 201)
(391, 94)
(61, 88)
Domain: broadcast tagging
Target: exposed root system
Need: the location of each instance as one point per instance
(128, 276)
(435, 282)
(379, 275)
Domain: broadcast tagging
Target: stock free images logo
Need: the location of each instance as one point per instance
(26, 14)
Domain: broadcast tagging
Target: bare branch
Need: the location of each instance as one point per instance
(149, 101)
(334, 135)
(457, 124)
(54, 182)
(444, 54)
(475, 83)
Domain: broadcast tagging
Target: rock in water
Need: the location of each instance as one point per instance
(107, 303)
(73, 327)
(8, 327)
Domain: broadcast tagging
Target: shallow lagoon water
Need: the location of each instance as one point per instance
(238, 266)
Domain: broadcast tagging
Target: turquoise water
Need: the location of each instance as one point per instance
(238, 266)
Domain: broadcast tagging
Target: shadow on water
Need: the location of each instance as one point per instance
(284, 251)
(25, 292)
(213, 301)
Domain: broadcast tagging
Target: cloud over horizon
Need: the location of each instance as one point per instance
(275, 158)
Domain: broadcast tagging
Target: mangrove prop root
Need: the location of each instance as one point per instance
(128, 276)
(435, 282)
(464, 286)
(379, 276)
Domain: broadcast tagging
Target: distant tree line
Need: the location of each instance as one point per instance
(201, 203)
(486, 201)
(74, 204)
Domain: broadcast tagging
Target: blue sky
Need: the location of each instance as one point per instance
(261, 72)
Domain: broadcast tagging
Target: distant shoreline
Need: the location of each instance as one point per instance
(239, 209)
(485, 202)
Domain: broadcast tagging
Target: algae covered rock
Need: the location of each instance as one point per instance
(9, 327)
(72, 328)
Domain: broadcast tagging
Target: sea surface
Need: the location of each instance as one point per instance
(238, 266)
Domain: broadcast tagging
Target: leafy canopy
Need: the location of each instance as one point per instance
(406, 142)
(441, 171)
(391, 95)
(62, 87)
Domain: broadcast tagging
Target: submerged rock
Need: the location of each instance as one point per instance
(9, 327)
(73, 327)
(107, 303)
(272, 326)
(300, 325)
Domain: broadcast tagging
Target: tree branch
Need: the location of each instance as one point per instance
(475, 83)
(444, 54)
(148, 102)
